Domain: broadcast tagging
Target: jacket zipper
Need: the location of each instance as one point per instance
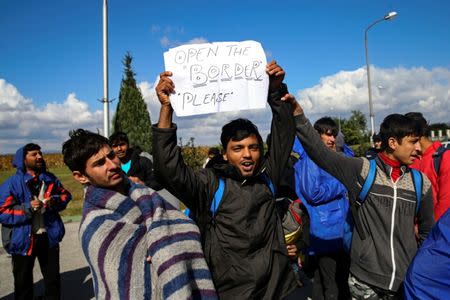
(394, 207)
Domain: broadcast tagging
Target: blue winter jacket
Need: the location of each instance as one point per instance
(428, 275)
(15, 209)
(327, 203)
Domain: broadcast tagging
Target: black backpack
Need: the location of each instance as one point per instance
(437, 157)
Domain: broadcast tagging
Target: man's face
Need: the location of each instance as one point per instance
(102, 170)
(34, 161)
(244, 155)
(120, 148)
(377, 145)
(329, 140)
(406, 151)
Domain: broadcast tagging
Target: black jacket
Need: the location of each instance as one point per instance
(244, 243)
(142, 167)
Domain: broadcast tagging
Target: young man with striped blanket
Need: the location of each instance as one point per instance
(138, 246)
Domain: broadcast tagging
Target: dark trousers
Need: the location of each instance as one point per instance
(48, 261)
(330, 276)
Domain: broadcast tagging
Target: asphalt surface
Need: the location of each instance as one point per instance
(76, 281)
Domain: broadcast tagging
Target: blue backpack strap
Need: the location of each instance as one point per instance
(269, 183)
(370, 179)
(417, 180)
(187, 212)
(217, 197)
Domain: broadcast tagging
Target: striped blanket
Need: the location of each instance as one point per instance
(117, 233)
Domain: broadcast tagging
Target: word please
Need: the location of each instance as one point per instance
(211, 98)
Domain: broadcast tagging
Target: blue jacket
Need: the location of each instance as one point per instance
(16, 214)
(327, 203)
(428, 275)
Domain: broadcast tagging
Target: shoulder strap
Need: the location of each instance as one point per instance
(417, 180)
(370, 179)
(220, 189)
(217, 197)
(269, 183)
(437, 157)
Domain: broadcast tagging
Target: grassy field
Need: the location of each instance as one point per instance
(64, 174)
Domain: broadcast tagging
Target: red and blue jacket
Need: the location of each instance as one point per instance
(16, 213)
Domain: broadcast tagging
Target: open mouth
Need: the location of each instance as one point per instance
(247, 165)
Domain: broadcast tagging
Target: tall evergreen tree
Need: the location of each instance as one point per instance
(131, 115)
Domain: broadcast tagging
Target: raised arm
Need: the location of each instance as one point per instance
(343, 168)
(282, 131)
(190, 187)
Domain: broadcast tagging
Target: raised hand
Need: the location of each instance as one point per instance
(164, 88)
(276, 75)
(296, 108)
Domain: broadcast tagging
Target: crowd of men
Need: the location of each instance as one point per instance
(363, 227)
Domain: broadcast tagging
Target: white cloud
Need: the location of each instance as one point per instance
(197, 40)
(22, 122)
(166, 42)
(395, 90)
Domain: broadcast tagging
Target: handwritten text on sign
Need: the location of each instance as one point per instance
(217, 77)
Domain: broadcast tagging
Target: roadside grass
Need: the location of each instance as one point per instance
(65, 176)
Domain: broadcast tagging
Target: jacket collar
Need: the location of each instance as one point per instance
(229, 171)
(388, 169)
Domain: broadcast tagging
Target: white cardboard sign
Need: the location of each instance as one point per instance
(215, 77)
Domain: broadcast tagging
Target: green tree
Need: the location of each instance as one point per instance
(131, 115)
(355, 132)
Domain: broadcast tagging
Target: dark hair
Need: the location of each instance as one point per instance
(118, 137)
(326, 124)
(30, 147)
(376, 138)
(418, 117)
(81, 146)
(213, 151)
(237, 130)
(397, 126)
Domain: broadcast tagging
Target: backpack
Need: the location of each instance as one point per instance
(367, 186)
(219, 194)
(437, 157)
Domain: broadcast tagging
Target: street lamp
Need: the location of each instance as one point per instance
(391, 15)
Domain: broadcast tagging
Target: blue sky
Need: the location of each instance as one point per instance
(51, 58)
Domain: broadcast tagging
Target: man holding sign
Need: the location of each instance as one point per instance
(242, 237)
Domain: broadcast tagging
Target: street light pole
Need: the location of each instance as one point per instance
(105, 70)
(387, 17)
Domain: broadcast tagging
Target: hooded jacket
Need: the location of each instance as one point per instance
(16, 213)
(388, 215)
(244, 241)
(326, 200)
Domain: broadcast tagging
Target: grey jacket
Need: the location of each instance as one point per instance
(387, 215)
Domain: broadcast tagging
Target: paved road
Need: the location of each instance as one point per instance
(76, 280)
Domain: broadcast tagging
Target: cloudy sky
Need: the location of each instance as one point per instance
(51, 59)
